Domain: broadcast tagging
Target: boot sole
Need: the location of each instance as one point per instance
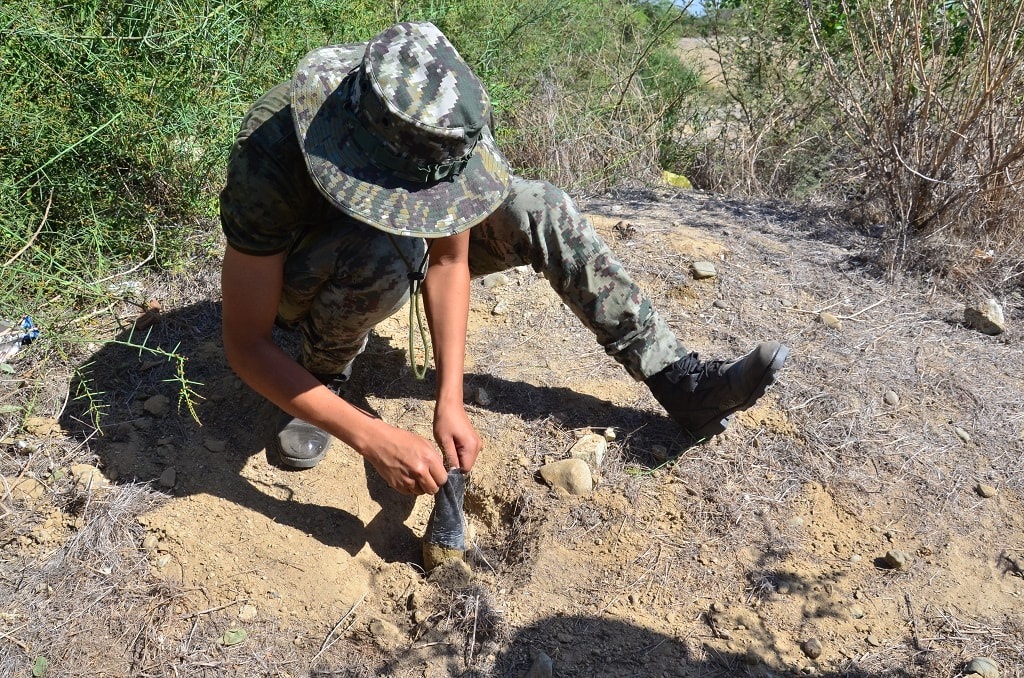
(721, 421)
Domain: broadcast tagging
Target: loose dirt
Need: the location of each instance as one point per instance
(760, 552)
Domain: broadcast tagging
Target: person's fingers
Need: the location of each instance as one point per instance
(450, 452)
(469, 453)
(437, 472)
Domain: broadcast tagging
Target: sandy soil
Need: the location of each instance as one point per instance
(761, 552)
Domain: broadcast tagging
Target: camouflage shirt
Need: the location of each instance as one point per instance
(269, 199)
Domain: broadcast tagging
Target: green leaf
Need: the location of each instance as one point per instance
(9, 409)
(233, 637)
(39, 666)
(4, 367)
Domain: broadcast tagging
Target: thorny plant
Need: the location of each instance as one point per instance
(188, 397)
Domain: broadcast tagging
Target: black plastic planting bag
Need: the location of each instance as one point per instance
(446, 527)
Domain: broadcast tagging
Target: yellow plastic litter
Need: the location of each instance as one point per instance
(673, 179)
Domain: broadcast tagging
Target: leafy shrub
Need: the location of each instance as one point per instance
(116, 117)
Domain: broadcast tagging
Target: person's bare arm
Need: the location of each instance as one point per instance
(446, 296)
(251, 289)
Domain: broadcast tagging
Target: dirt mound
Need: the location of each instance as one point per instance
(762, 552)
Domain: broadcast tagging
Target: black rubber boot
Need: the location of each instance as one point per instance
(299, 444)
(701, 395)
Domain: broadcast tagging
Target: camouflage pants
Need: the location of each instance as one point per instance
(343, 278)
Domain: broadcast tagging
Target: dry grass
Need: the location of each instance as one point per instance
(578, 145)
(711, 523)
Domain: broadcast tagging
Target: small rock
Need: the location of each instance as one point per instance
(24, 488)
(718, 607)
(624, 230)
(21, 446)
(722, 304)
(500, 308)
(214, 445)
(609, 434)
(659, 453)
(542, 666)
(702, 270)
(856, 612)
(385, 634)
(149, 543)
(493, 280)
(812, 648)
(168, 478)
(986, 317)
(986, 491)
(829, 320)
(572, 475)
(88, 477)
(247, 613)
(481, 397)
(985, 667)
(891, 398)
(158, 405)
(873, 640)
(590, 448)
(44, 427)
(162, 561)
(417, 600)
(963, 435)
(896, 560)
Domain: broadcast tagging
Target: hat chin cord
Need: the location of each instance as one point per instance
(416, 278)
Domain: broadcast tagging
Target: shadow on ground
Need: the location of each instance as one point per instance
(132, 392)
(583, 646)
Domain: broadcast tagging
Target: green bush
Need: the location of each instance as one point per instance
(116, 117)
(770, 125)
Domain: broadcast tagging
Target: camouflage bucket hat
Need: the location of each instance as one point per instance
(394, 133)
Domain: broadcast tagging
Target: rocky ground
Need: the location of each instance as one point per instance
(863, 520)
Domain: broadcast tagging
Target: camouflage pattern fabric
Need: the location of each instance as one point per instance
(396, 134)
(539, 225)
(343, 275)
(343, 278)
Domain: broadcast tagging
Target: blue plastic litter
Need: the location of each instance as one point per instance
(15, 335)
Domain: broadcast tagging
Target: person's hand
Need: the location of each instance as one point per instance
(406, 461)
(456, 437)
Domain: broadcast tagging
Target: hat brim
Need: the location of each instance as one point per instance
(371, 194)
